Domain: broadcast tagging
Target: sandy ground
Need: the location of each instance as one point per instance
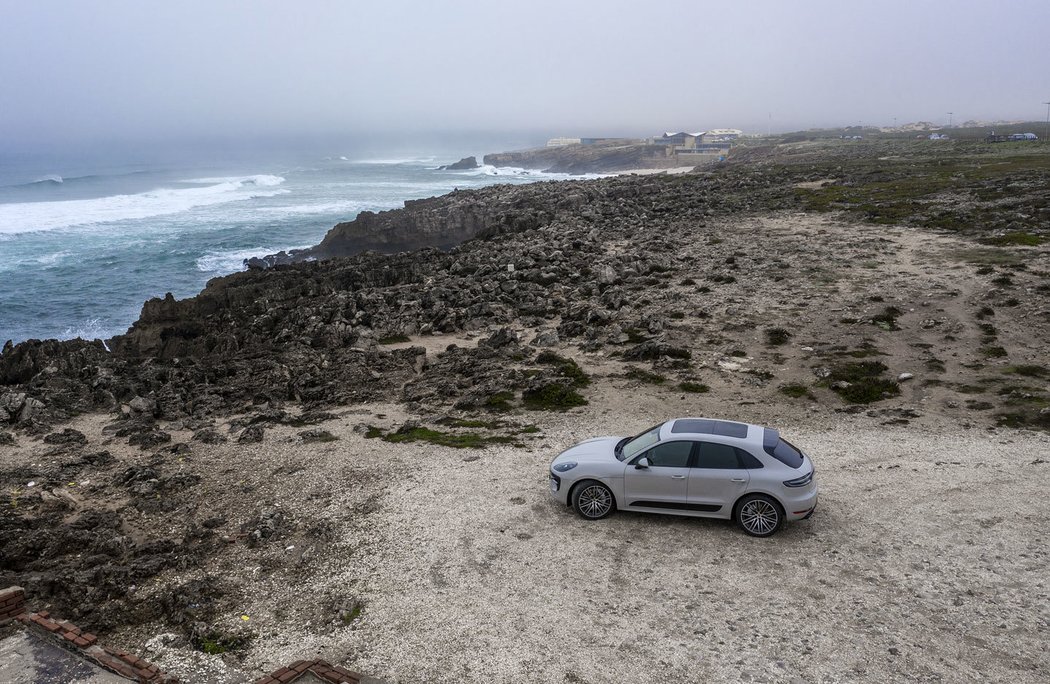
(926, 560)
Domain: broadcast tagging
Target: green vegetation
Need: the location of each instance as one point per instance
(796, 391)
(566, 367)
(552, 397)
(994, 352)
(861, 382)
(694, 387)
(777, 336)
(215, 642)
(414, 433)
(393, 339)
(1029, 370)
(642, 375)
(1015, 238)
(498, 402)
(887, 319)
(923, 187)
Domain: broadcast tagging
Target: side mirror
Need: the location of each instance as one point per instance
(642, 464)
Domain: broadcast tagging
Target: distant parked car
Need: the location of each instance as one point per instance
(695, 467)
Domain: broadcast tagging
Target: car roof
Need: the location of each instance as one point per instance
(725, 431)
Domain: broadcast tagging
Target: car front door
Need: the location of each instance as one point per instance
(664, 482)
(717, 478)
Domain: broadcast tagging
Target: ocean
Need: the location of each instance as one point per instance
(83, 244)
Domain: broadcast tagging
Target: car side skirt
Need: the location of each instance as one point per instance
(689, 510)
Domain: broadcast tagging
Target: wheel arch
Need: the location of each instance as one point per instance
(776, 500)
(582, 481)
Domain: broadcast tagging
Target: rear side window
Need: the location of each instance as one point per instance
(720, 456)
(784, 452)
(748, 460)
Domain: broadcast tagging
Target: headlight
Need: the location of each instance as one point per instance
(564, 467)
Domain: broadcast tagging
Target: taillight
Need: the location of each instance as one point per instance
(800, 481)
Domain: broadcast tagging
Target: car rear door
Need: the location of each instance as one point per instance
(717, 478)
(664, 483)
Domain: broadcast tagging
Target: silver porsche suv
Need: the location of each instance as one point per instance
(696, 467)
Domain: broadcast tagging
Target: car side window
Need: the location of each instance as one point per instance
(670, 454)
(720, 456)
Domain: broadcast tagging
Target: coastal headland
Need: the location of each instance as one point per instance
(343, 451)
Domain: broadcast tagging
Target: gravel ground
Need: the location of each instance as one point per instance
(925, 561)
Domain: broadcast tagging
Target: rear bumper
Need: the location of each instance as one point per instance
(801, 507)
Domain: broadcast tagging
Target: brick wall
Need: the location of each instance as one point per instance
(86, 645)
(12, 603)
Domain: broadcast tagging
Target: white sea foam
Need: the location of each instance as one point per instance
(24, 217)
(261, 180)
(229, 261)
(517, 172)
(338, 207)
(50, 178)
(405, 160)
(90, 329)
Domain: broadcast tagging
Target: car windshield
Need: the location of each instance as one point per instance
(634, 445)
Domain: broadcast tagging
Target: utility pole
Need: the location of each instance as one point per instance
(950, 119)
(1046, 132)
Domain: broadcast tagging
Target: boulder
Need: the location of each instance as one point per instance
(464, 164)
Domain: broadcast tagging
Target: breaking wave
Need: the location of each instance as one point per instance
(25, 217)
(221, 262)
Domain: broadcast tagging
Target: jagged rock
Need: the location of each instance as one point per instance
(546, 338)
(69, 436)
(317, 435)
(208, 436)
(464, 164)
(149, 439)
(142, 405)
(251, 434)
(30, 410)
(7, 439)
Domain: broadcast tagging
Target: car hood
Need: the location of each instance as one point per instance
(592, 450)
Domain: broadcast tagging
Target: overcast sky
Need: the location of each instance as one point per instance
(78, 70)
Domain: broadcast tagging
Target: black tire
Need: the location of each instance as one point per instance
(759, 515)
(593, 500)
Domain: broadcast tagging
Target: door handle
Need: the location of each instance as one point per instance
(738, 479)
(678, 477)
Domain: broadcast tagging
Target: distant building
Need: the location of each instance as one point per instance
(720, 135)
(562, 142)
(1023, 136)
(938, 136)
(680, 139)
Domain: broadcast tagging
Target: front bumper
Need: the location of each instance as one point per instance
(559, 489)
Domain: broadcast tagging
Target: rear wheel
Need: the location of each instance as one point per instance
(593, 500)
(759, 515)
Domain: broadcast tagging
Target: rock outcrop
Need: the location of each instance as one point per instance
(464, 164)
(602, 157)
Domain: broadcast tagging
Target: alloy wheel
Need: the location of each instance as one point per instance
(595, 501)
(759, 517)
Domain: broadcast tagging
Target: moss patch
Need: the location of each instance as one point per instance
(796, 390)
(552, 397)
(566, 367)
(862, 382)
(642, 375)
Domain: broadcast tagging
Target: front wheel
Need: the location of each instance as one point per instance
(758, 515)
(593, 500)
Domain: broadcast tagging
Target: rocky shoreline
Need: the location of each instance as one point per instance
(775, 287)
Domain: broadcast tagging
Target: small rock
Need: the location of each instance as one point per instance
(905, 376)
